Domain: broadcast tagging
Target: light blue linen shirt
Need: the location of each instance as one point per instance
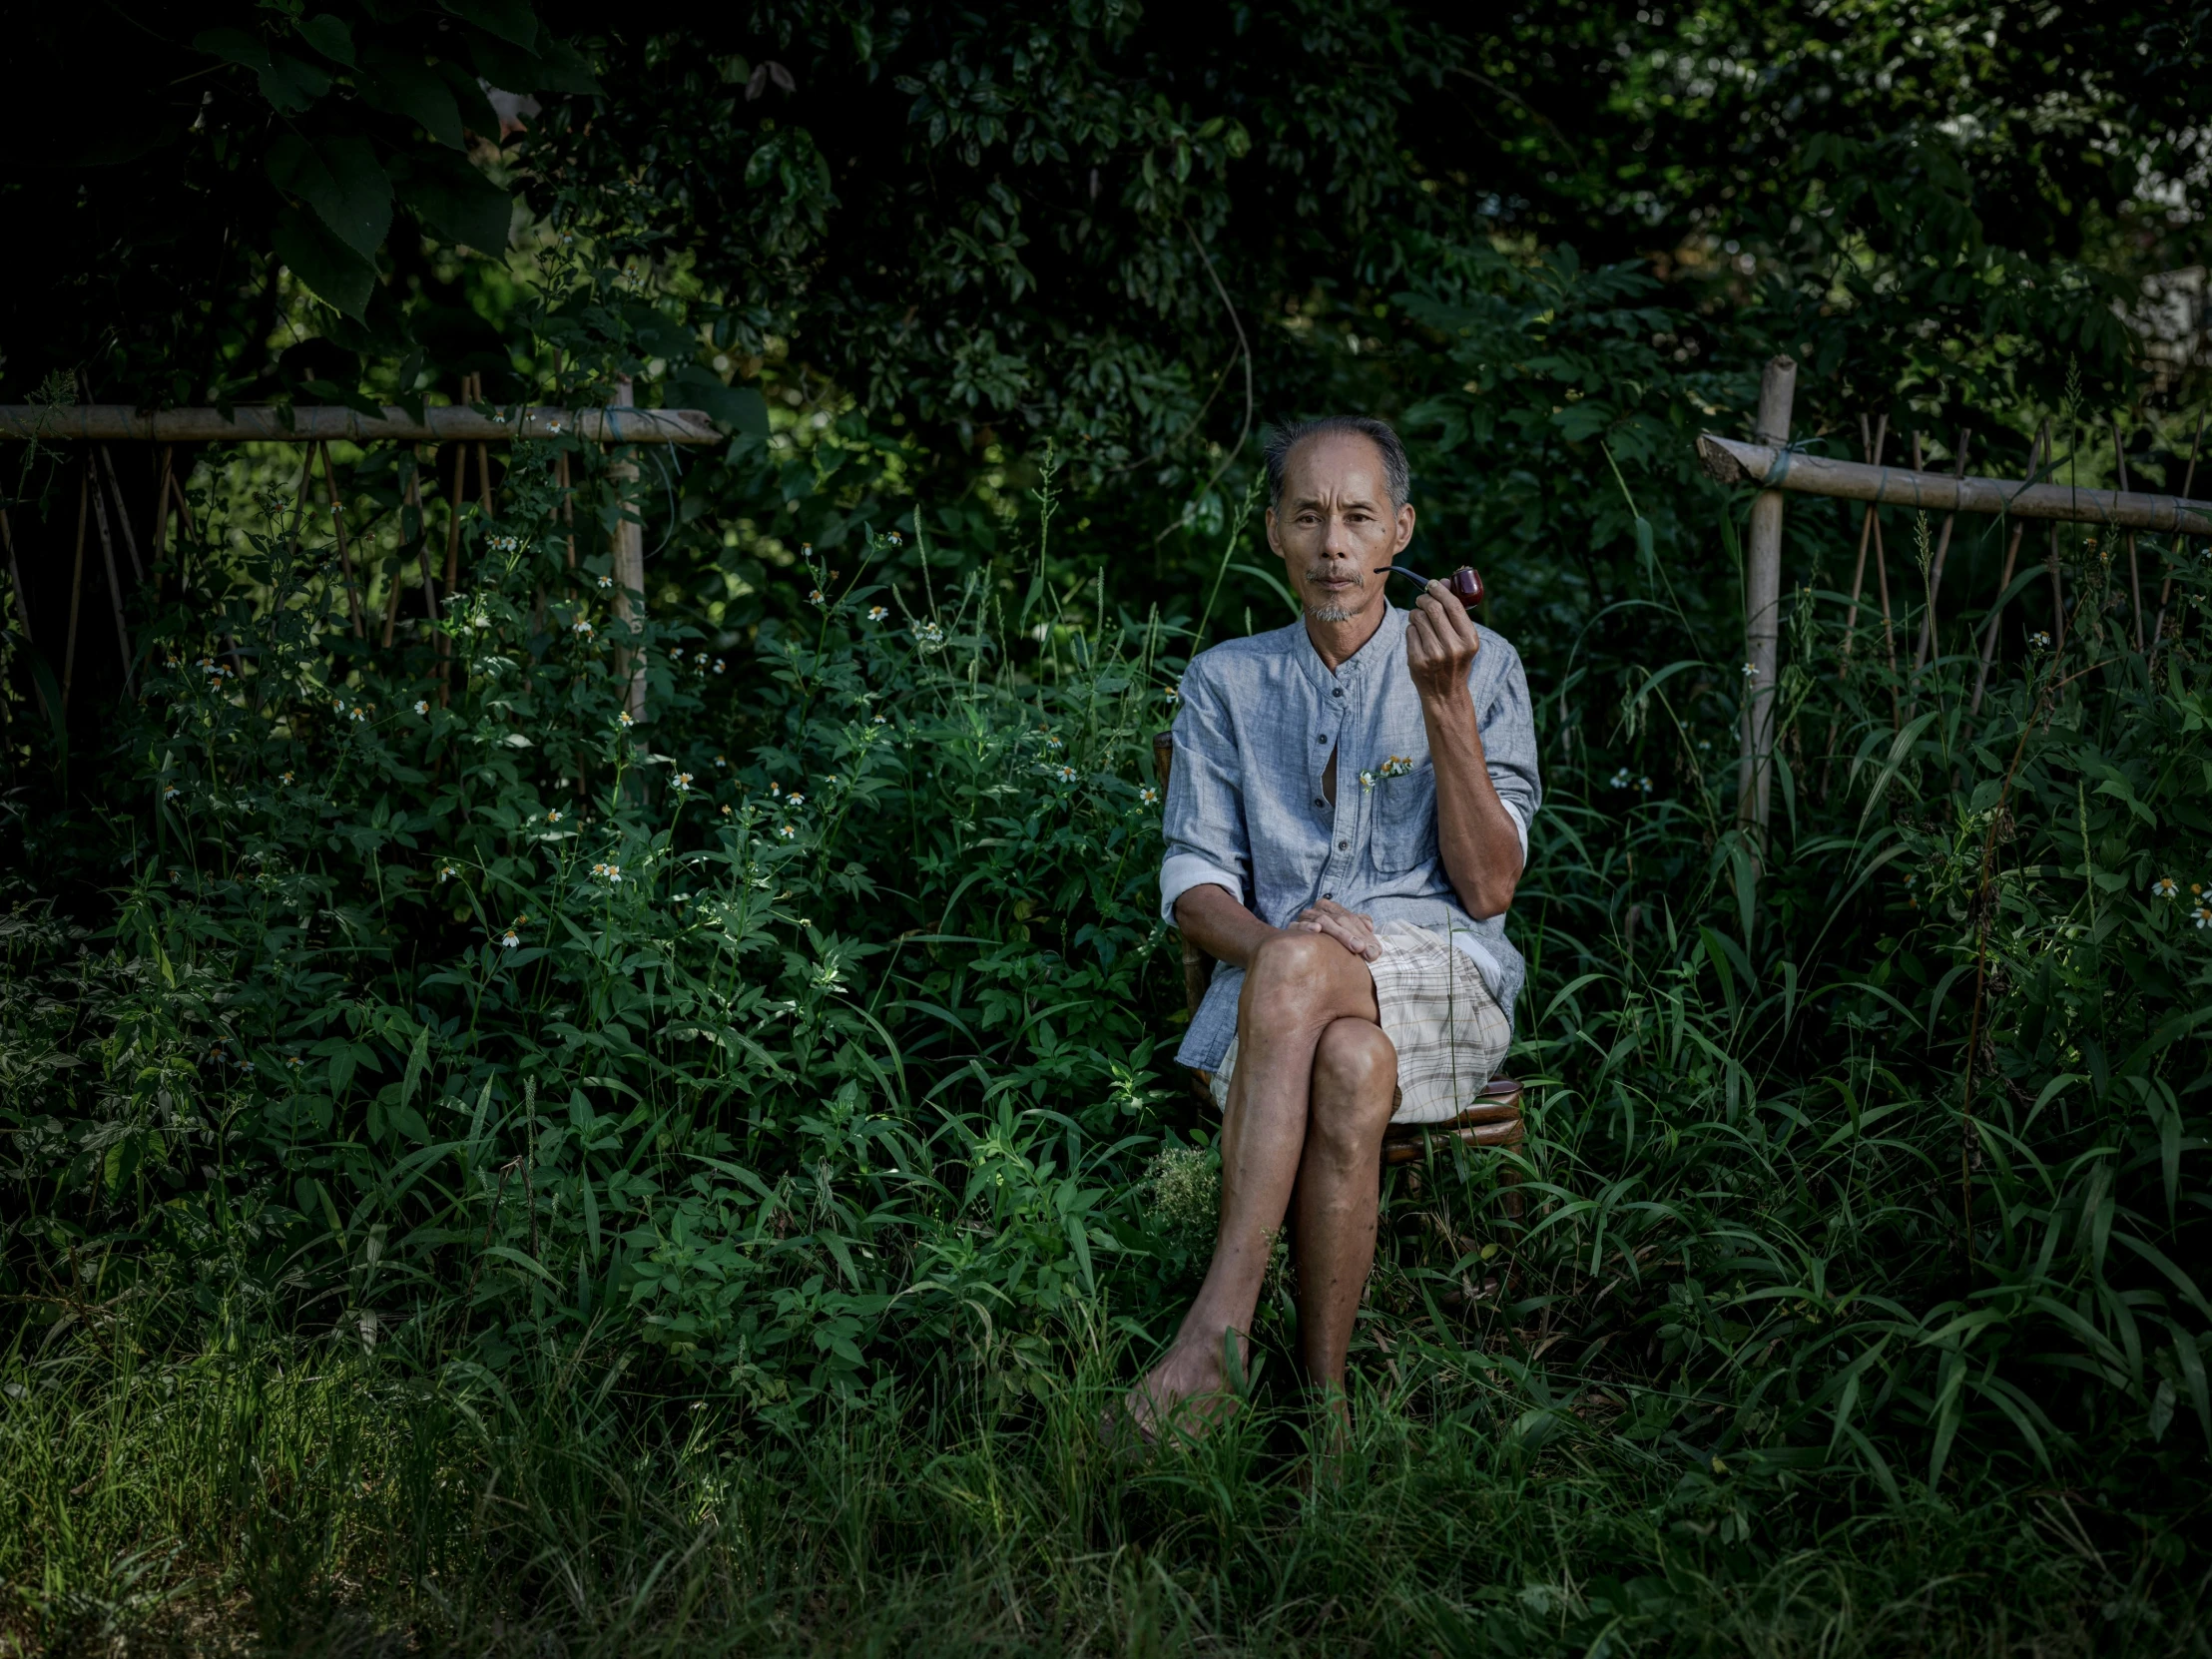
(1246, 811)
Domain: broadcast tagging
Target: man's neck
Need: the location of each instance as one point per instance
(1336, 643)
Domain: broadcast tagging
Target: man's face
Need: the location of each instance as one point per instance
(1335, 525)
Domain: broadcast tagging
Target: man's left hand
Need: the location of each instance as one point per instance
(1441, 642)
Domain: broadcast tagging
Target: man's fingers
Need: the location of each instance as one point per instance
(1343, 934)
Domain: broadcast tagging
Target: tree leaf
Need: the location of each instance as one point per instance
(457, 203)
(508, 19)
(330, 35)
(400, 83)
(733, 408)
(233, 46)
(331, 270)
(357, 201)
(292, 83)
(554, 66)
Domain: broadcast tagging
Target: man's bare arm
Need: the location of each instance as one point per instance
(1477, 836)
(1211, 917)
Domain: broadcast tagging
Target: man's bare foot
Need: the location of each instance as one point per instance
(1185, 1393)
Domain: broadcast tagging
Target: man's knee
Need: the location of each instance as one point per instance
(1290, 976)
(1355, 1083)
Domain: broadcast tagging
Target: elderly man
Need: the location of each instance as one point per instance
(1345, 821)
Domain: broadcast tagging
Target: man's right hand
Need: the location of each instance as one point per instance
(1349, 928)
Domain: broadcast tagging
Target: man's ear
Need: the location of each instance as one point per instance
(1275, 545)
(1404, 529)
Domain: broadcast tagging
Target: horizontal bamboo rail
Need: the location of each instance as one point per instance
(323, 424)
(1790, 469)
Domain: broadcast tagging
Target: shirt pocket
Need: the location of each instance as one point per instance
(1405, 834)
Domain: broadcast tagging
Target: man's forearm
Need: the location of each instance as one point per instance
(1212, 918)
(1476, 834)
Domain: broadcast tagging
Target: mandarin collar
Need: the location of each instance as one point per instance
(1381, 648)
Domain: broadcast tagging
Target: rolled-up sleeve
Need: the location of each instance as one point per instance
(1206, 840)
(1508, 725)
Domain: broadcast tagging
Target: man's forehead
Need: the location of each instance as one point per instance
(1344, 467)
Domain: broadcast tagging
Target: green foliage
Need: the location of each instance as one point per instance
(450, 1513)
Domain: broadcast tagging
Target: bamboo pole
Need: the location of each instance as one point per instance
(629, 568)
(2036, 456)
(345, 556)
(2166, 588)
(2134, 568)
(161, 515)
(75, 584)
(123, 516)
(1789, 470)
(1942, 551)
(115, 582)
(120, 422)
(1761, 608)
(22, 605)
(413, 498)
(1870, 447)
(568, 503)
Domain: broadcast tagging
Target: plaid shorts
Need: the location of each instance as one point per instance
(1450, 1033)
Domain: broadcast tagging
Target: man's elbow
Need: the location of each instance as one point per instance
(1490, 898)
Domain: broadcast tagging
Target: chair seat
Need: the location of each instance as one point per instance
(1494, 1120)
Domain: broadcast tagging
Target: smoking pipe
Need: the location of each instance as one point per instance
(1465, 583)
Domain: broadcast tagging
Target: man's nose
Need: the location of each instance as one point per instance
(1338, 542)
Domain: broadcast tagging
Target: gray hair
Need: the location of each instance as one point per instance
(1397, 477)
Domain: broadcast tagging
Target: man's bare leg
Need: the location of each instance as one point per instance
(1338, 1179)
(1298, 987)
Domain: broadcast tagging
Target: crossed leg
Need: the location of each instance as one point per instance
(1310, 1096)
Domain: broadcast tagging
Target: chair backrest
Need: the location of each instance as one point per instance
(1198, 967)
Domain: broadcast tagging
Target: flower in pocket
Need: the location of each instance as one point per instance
(1398, 766)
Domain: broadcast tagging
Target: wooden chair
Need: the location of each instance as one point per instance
(1494, 1120)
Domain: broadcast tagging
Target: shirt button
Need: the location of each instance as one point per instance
(1344, 847)
(1322, 737)
(1338, 692)
(1329, 895)
(1319, 801)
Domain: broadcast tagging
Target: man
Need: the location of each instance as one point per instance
(1347, 818)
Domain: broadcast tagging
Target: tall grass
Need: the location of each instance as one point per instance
(483, 1174)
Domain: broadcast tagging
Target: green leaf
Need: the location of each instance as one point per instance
(736, 409)
(554, 66)
(331, 271)
(330, 35)
(477, 115)
(457, 203)
(508, 19)
(400, 83)
(292, 83)
(233, 46)
(339, 179)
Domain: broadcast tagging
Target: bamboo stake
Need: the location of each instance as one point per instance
(123, 516)
(22, 605)
(2134, 570)
(568, 503)
(346, 557)
(1762, 609)
(1870, 447)
(629, 567)
(413, 498)
(75, 584)
(161, 514)
(2167, 589)
(1942, 551)
(115, 582)
(2036, 458)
